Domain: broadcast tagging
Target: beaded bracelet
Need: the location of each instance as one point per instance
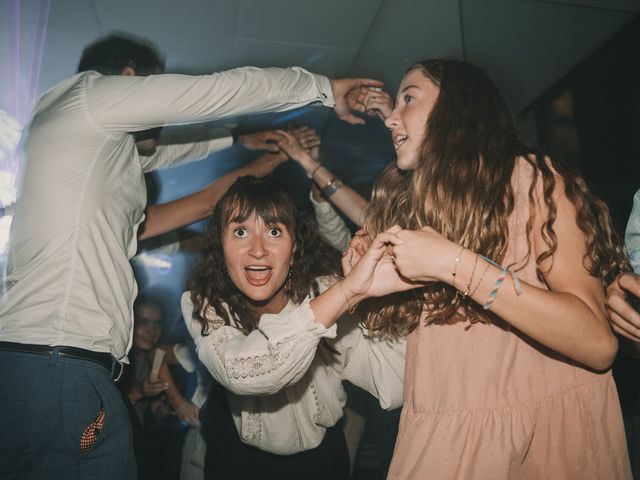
(494, 292)
(499, 280)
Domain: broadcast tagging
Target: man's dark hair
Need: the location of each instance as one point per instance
(110, 55)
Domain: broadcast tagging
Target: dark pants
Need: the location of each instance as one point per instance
(46, 403)
(228, 458)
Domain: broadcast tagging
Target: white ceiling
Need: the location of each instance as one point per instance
(525, 44)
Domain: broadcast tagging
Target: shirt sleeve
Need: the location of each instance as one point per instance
(120, 103)
(632, 235)
(266, 360)
(331, 227)
(373, 364)
(166, 155)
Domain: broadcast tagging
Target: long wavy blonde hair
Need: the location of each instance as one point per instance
(462, 188)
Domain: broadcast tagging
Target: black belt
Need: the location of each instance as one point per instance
(107, 360)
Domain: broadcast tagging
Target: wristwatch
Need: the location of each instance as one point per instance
(331, 187)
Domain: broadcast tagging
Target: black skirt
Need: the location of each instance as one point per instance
(228, 457)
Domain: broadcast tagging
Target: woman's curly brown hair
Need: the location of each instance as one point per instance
(462, 188)
(210, 284)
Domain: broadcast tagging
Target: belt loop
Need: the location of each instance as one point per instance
(55, 355)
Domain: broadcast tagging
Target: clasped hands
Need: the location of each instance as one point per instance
(396, 260)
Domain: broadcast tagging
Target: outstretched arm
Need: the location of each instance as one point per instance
(279, 353)
(169, 216)
(122, 103)
(350, 202)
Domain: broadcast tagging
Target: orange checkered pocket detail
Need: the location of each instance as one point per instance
(90, 434)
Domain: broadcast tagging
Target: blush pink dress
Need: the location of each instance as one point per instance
(487, 403)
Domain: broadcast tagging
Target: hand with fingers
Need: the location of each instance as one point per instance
(309, 139)
(358, 246)
(307, 136)
(348, 96)
(267, 140)
(374, 274)
(152, 387)
(624, 316)
(424, 255)
(377, 103)
(292, 147)
(189, 413)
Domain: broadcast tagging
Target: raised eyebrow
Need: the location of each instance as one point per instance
(408, 87)
(235, 226)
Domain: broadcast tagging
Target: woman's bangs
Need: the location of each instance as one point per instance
(262, 205)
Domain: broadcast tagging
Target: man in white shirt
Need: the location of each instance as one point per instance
(66, 317)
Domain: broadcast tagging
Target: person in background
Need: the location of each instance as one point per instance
(158, 398)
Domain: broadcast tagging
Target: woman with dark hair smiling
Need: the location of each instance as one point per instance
(262, 309)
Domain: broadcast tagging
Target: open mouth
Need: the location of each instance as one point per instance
(258, 275)
(399, 140)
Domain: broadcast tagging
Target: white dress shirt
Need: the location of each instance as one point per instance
(82, 192)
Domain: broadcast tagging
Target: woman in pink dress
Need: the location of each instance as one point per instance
(507, 373)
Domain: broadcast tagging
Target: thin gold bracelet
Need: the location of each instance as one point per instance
(313, 172)
(455, 267)
(351, 309)
(473, 272)
(475, 289)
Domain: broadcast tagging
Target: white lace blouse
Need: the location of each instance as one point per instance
(284, 389)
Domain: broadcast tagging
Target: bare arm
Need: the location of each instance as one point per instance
(197, 206)
(186, 411)
(569, 317)
(350, 202)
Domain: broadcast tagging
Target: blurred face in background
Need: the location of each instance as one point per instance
(147, 326)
